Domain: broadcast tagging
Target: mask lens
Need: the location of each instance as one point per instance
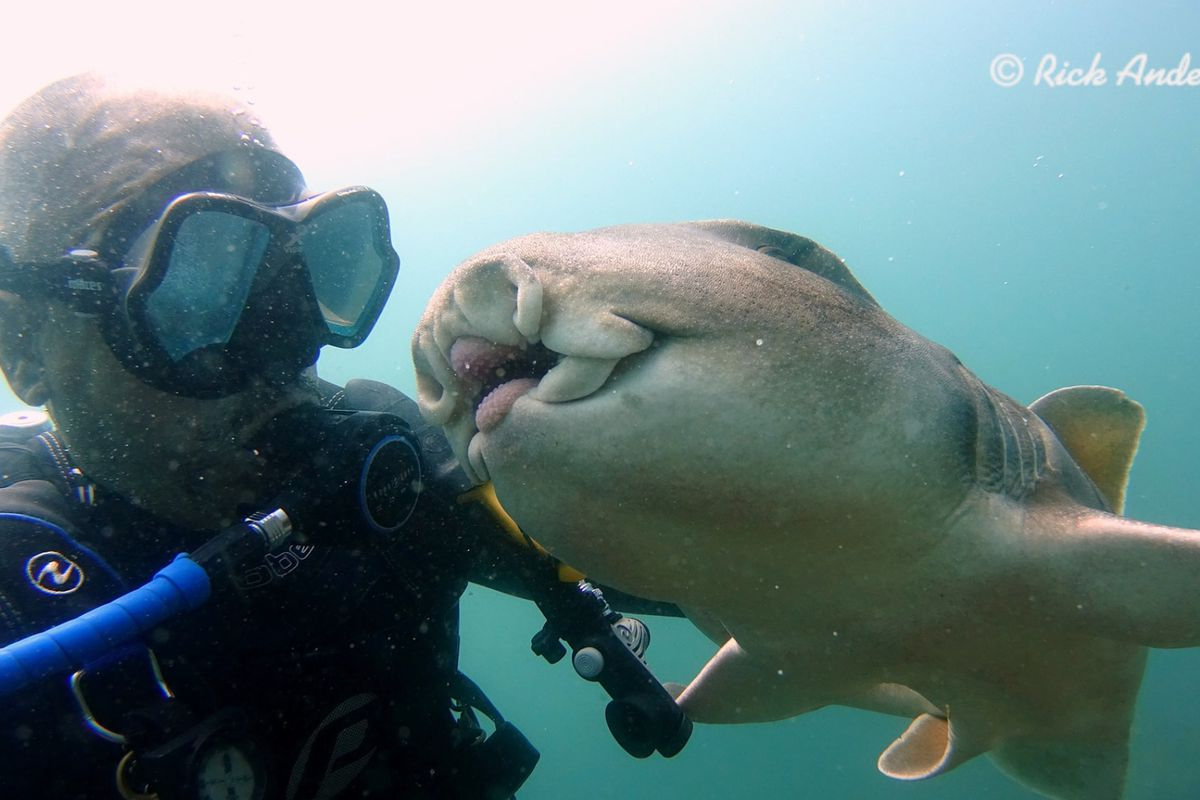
(341, 248)
(222, 288)
(212, 265)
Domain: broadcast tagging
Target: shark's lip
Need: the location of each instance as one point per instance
(495, 319)
(495, 405)
(492, 377)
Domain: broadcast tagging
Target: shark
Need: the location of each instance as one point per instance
(719, 415)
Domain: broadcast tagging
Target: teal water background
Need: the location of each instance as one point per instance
(1048, 236)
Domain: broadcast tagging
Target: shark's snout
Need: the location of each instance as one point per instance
(490, 338)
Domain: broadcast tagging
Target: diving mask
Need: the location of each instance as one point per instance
(220, 289)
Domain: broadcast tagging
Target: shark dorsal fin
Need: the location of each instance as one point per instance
(1100, 428)
(928, 747)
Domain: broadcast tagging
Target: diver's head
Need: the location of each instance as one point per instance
(177, 220)
(166, 279)
(82, 150)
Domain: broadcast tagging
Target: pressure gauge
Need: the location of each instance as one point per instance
(228, 768)
(217, 759)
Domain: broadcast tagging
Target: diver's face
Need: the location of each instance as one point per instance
(181, 458)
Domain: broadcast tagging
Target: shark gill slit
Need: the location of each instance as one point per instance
(1010, 457)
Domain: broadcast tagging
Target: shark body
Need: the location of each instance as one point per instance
(719, 415)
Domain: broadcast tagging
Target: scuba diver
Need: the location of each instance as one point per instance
(167, 281)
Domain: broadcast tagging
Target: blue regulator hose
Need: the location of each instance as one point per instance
(180, 586)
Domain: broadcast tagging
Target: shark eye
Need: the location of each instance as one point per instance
(798, 253)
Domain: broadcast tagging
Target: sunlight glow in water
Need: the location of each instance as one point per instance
(410, 79)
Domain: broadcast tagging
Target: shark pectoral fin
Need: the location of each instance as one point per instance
(1117, 578)
(735, 687)
(1100, 428)
(929, 747)
(1074, 770)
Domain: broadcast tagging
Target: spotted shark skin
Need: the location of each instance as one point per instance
(719, 415)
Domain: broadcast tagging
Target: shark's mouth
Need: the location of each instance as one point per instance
(489, 339)
(494, 376)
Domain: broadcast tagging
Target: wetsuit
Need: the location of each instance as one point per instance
(334, 665)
